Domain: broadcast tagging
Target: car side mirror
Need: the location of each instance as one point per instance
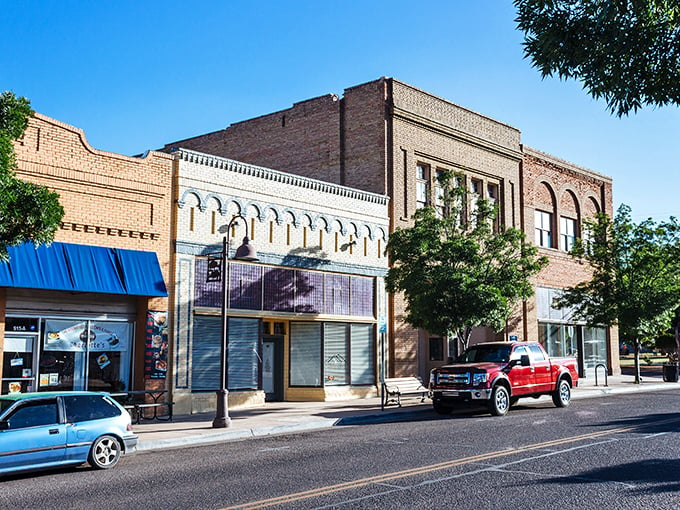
(524, 360)
(4, 425)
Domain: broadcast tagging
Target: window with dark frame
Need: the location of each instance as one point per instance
(567, 233)
(543, 228)
(422, 185)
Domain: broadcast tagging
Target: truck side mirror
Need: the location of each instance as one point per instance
(524, 360)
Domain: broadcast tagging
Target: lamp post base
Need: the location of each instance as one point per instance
(222, 419)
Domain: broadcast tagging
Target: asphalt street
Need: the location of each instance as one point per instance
(619, 451)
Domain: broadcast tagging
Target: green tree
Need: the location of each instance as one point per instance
(636, 277)
(456, 270)
(27, 211)
(624, 51)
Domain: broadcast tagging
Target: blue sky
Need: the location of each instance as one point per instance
(135, 75)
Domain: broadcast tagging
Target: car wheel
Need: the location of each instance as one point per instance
(105, 452)
(500, 401)
(441, 409)
(561, 397)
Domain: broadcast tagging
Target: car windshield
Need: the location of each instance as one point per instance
(488, 353)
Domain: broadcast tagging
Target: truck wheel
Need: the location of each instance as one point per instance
(439, 408)
(500, 401)
(561, 397)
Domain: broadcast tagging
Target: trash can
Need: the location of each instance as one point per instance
(670, 372)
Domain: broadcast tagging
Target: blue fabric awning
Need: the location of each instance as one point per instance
(81, 268)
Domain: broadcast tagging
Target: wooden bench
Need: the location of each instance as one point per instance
(396, 387)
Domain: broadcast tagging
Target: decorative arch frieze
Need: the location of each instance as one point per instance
(183, 201)
(316, 221)
(220, 203)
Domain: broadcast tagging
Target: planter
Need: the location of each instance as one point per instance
(671, 371)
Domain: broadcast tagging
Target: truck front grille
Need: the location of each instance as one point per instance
(454, 378)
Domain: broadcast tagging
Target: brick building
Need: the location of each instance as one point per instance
(302, 319)
(388, 137)
(73, 314)
(557, 196)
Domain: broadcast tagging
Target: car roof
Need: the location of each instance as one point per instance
(46, 394)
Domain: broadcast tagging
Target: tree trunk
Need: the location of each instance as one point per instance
(636, 344)
(677, 341)
(463, 336)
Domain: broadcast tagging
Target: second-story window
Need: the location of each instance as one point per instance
(567, 233)
(422, 185)
(439, 194)
(543, 228)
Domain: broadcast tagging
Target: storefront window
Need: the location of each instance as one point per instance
(305, 354)
(362, 345)
(335, 354)
(559, 339)
(85, 355)
(594, 346)
(243, 361)
(347, 351)
(17, 370)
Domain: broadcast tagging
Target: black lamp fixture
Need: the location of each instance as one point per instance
(218, 270)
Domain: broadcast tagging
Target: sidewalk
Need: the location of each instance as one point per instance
(289, 417)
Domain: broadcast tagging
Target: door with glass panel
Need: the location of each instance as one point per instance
(272, 367)
(85, 355)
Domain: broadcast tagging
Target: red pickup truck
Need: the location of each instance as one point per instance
(500, 373)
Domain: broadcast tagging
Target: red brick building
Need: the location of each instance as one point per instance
(388, 137)
(557, 196)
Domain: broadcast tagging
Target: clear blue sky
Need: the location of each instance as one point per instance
(136, 74)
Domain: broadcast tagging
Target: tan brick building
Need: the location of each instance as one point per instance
(391, 138)
(79, 313)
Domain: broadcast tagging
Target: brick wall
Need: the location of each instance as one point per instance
(303, 140)
(108, 199)
(371, 139)
(563, 189)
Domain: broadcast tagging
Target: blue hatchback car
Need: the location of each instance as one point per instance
(45, 430)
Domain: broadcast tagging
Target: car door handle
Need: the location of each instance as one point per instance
(54, 431)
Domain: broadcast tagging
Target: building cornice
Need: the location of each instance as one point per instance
(239, 167)
(468, 138)
(565, 164)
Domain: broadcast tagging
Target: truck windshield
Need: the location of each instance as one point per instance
(488, 353)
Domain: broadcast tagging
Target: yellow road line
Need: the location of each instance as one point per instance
(386, 477)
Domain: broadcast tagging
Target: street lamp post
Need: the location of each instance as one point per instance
(221, 273)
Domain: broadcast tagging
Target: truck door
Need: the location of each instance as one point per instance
(521, 377)
(540, 366)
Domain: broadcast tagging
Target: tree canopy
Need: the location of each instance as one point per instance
(636, 276)
(626, 52)
(457, 271)
(28, 211)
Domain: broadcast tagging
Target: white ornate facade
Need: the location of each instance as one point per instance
(315, 294)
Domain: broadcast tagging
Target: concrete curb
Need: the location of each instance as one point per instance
(378, 417)
(235, 435)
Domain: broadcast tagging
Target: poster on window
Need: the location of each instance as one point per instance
(84, 336)
(156, 352)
